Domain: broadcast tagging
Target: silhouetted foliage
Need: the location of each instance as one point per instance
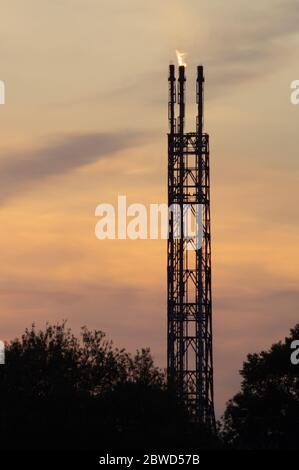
(57, 391)
(265, 413)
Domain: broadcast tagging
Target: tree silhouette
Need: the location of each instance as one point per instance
(58, 391)
(265, 413)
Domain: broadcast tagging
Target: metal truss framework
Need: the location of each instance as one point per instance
(190, 358)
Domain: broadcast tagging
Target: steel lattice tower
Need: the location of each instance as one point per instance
(190, 360)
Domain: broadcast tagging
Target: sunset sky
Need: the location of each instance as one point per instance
(85, 119)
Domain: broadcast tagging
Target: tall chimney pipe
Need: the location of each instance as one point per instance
(172, 99)
(181, 98)
(199, 99)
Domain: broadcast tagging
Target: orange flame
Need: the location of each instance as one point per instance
(181, 58)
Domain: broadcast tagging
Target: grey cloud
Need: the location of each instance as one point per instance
(243, 45)
(274, 301)
(135, 323)
(252, 45)
(60, 155)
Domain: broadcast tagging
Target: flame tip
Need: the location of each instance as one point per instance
(181, 58)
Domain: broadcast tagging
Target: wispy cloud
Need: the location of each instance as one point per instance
(244, 43)
(60, 155)
(254, 45)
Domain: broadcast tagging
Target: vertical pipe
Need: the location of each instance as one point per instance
(181, 122)
(199, 99)
(181, 98)
(170, 268)
(200, 258)
(172, 99)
